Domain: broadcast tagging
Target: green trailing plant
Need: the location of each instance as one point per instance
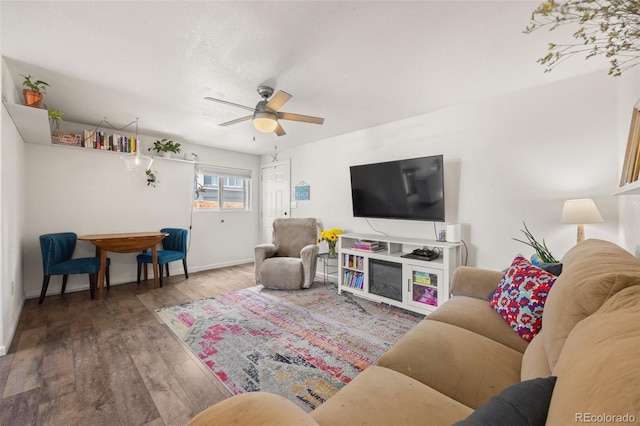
(38, 86)
(152, 177)
(541, 249)
(199, 190)
(165, 145)
(604, 27)
(55, 117)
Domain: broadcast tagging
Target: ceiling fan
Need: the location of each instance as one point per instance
(267, 112)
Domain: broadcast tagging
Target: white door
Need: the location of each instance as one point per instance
(275, 195)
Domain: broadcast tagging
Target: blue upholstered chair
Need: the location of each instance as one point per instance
(57, 251)
(174, 248)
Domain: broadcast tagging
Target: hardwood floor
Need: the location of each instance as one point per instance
(77, 361)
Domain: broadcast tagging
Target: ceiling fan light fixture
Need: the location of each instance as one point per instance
(265, 121)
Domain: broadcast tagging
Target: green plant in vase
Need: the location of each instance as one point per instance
(55, 118)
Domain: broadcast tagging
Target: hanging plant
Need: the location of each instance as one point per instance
(199, 190)
(610, 28)
(152, 178)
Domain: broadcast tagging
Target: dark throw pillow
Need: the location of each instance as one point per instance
(523, 404)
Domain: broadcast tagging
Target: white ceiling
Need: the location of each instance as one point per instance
(358, 64)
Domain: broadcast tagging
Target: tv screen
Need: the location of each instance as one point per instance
(404, 189)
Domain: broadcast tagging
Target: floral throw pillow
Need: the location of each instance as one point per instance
(521, 296)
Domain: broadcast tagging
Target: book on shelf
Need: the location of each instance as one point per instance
(370, 249)
(366, 243)
(353, 279)
(352, 261)
(94, 139)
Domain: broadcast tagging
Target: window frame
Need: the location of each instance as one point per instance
(224, 175)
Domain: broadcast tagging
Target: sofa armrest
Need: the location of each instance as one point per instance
(262, 252)
(253, 408)
(474, 282)
(309, 256)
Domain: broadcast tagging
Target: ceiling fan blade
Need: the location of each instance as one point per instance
(230, 103)
(277, 101)
(237, 120)
(279, 130)
(299, 117)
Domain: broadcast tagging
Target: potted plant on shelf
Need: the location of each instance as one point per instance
(166, 147)
(34, 91)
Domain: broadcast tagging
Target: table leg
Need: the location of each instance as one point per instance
(156, 270)
(144, 265)
(103, 271)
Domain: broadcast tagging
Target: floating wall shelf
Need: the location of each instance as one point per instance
(33, 126)
(629, 189)
(32, 123)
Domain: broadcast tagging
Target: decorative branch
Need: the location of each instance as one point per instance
(605, 27)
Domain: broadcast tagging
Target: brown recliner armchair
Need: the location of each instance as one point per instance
(290, 261)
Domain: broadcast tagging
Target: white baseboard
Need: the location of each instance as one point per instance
(4, 349)
(177, 270)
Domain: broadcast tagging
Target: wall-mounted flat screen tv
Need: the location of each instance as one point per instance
(411, 189)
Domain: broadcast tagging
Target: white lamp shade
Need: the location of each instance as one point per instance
(580, 211)
(265, 121)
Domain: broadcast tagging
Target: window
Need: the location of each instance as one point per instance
(219, 188)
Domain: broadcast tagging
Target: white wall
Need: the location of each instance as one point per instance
(507, 160)
(90, 192)
(11, 224)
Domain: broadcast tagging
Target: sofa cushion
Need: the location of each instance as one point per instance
(525, 403)
(534, 360)
(253, 408)
(599, 368)
(284, 273)
(477, 316)
(379, 396)
(521, 296)
(594, 270)
(459, 363)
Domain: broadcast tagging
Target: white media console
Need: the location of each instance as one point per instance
(381, 274)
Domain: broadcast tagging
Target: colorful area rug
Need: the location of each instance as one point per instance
(303, 344)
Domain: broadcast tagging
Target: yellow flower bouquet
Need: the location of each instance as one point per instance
(331, 237)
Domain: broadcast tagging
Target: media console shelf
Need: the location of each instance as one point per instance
(381, 273)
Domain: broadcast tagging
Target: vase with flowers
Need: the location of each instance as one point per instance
(331, 237)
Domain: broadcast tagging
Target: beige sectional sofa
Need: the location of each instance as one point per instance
(463, 354)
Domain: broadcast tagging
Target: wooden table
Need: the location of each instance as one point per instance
(128, 242)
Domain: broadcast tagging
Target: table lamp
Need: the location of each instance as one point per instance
(580, 212)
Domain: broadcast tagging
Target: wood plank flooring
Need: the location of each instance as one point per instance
(77, 361)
